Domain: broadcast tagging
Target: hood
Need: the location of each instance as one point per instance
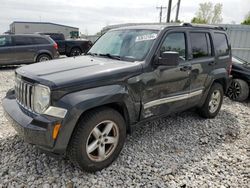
(241, 66)
(78, 71)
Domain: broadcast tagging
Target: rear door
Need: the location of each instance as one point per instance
(25, 49)
(6, 50)
(222, 50)
(202, 59)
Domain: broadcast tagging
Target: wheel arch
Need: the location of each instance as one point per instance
(217, 76)
(115, 97)
(41, 53)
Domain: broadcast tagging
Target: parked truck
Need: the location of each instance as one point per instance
(70, 47)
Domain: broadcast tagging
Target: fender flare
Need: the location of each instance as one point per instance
(217, 75)
(80, 102)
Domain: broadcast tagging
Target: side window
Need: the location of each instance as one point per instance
(201, 45)
(5, 41)
(220, 43)
(175, 42)
(56, 36)
(22, 40)
(39, 40)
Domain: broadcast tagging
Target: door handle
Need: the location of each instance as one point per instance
(212, 63)
(185, 68)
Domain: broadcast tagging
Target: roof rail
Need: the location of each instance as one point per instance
(203, 26)
(186, 24)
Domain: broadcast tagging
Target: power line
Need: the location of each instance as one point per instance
(161, 8)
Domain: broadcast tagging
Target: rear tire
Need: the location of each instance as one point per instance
(213, 103)
(97, 140)
(43, 57)
(238, 90)
(75, 52)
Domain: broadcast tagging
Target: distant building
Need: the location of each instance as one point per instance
(45, 27)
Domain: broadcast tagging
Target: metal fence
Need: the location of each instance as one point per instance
(240, 40)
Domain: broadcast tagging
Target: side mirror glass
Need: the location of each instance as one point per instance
(169, 58)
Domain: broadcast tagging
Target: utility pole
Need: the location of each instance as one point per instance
(169, 10)
(161, 8)
(177, 11)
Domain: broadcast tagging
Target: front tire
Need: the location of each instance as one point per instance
(238, 90)
(98, 139)
(213, 103)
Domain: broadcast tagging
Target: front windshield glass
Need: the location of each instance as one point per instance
(130, 44)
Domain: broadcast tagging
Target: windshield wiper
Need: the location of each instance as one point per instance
(92, 54)
(110, 56)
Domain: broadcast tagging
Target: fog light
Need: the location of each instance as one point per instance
(56, 131)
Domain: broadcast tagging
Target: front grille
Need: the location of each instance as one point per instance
(24, 93)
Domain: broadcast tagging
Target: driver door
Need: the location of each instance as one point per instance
(167, 88)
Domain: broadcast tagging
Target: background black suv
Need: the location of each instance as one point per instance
(21, 49)
(84, 106)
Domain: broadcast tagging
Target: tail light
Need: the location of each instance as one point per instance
(55, 46)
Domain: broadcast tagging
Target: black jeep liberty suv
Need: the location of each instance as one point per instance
(83, 107)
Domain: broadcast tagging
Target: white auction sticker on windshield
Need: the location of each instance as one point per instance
(146, 37)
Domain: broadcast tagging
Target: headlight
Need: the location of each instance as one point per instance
(41, 98)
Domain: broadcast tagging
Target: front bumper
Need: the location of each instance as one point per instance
(34, 129)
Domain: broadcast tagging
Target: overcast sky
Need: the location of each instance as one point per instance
(91, 16)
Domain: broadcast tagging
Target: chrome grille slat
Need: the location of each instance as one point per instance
(28, 96)
(32, 98)
(24, 94)
(19, 89)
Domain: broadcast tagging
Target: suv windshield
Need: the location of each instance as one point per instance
(130, 44)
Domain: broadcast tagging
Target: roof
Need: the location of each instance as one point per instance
(165, 25)
(28, 35)
(49, 23)
(146, 26)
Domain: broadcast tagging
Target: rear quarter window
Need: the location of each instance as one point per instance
(57, 36)
(221, 44)
(40, 40)
(23, 40)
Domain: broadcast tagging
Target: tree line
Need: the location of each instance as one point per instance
(208, 13)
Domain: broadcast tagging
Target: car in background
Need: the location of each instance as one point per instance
(25, 49)
(239, 87)
(70, 47)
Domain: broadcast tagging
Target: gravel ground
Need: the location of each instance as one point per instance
(182, 150)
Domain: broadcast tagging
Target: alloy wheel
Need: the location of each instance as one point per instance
(44, 58)
(214, 101)
(102, 141)
(234, 90)
(76, 52)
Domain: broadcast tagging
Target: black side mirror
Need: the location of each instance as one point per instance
(169, 58)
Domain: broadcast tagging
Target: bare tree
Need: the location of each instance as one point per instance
(217, 18)
(208, 13)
